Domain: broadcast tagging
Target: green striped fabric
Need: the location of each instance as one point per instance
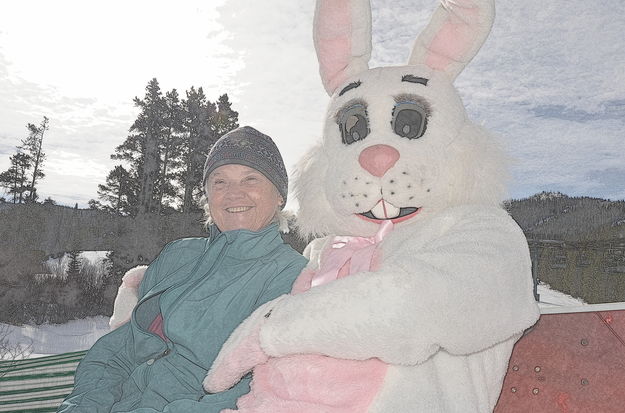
(37, 385)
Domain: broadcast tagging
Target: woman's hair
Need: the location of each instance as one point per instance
(282, 217)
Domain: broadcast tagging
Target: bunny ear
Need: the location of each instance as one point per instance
(454, 35)
(342, 36)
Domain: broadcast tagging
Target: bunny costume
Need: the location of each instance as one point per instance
(423, 318)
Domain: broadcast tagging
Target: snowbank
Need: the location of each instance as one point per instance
(49, 339)
(552, 298)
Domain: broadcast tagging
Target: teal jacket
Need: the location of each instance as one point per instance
(204, 287)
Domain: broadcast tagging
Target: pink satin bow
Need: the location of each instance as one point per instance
(358, 251)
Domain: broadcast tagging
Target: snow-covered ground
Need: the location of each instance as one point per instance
(553, 298)
(49, 339)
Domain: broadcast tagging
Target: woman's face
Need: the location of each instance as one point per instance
(240, 197)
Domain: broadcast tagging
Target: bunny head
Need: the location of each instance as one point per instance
(397, 143)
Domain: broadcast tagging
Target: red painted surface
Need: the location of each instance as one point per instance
(568, 363)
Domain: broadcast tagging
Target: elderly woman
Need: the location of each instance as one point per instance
(197, 291)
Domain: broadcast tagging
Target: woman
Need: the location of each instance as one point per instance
(197, 291)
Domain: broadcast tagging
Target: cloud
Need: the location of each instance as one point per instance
(278, 89)
(548, 80)
(614, 109)
(65, 164)
(609, 182)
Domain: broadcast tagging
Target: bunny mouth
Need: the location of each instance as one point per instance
(384, 211)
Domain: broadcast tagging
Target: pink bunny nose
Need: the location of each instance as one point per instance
(378, 159)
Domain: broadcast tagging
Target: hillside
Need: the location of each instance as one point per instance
(552, 215)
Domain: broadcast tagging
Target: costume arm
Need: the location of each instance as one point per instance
(464, 287)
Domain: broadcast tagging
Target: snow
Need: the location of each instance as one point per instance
(92, 257)
(57, 267)
(48, 339)
(549, 195)
(552, 298)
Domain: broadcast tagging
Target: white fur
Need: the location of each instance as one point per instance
(127, 296)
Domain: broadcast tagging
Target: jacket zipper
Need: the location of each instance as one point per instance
(192, 286)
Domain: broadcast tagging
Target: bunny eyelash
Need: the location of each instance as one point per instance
(410, 98)
(340, 114)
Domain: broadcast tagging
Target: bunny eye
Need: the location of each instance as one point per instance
(409, 119)
(353, 124)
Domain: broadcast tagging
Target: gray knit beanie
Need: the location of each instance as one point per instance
(247, 146)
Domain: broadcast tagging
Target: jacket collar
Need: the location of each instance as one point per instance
(246, 244)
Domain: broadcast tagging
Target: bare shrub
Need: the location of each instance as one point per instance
(57, 267)
(93, 273)
(12, 351)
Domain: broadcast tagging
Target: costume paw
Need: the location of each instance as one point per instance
(127, 296)
(133, 276)
(241, 352)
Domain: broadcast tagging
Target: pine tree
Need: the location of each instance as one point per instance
(73, 266)
(197, 135)
(15, 179)
(141, 148)
(119, 192)
(33, 147)
(225, 119)
(170, 150)
(73, 285)
(150, 127)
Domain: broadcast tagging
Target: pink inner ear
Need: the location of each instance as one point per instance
(333, 32)
(453, 40)
(332, 62)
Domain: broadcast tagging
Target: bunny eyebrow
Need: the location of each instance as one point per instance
(352, 85)
(415, 79)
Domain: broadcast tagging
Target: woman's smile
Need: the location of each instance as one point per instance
(238, 209)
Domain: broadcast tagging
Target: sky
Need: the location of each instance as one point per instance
(550, 80)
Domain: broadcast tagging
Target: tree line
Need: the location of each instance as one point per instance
(164, 152)
(550, 215)
(161, 158)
